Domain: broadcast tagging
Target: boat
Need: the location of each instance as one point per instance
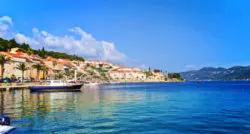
(115, 82)
(91, 84)
(56, 86)
(5, 127)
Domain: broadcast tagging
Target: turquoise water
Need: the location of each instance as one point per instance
(208, 107)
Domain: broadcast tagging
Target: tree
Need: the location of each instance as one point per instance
(166, 78)
(88, 64)
(29, 51)
(43, 53)
(100, 65)
(174, 75)
(54, 63)
(22, 67)
(59, 76)
(3, 60)
(79, 74)
(13, 77)
(38, 68)
(45, 71)
(157, 70)
(12, 44)
(148, 73)
(8, 44)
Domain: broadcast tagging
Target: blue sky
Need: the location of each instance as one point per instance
(176, 35)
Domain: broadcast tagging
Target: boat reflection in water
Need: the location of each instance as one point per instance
(44, 112)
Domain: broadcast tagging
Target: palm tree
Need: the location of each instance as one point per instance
(38, 68)
(3, 60)
(22, 67)
(45, 71)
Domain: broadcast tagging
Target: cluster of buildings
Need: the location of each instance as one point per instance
(10, 67)
(17, 57)
(56, 66)
(123, 73)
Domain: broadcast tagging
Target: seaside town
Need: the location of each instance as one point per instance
(20, 65)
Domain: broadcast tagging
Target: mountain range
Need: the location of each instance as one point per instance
(212, 73)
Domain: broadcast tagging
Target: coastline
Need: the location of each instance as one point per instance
(145, 81)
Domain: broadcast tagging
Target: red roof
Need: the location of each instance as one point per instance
(63, 61)
(17, 54)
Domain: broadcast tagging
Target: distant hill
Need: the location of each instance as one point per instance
(211, 73)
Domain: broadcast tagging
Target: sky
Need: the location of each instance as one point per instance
(172, 35)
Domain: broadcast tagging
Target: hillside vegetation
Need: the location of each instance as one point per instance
(6, 45)
(211, 73)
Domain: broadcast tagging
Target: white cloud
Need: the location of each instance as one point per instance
(21, 38)
(87, 46)
(5, 27)
(6, 19)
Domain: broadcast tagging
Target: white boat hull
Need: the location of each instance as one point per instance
(6, 129)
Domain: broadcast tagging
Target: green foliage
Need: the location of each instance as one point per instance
(54, 63)
(13, 77)
(22, 67)
(62, 55)
(45, 71)
(59, 76)
(3, 60)
(69, 73)
(38, 68)
(101, 70)
(148, 73)
(181, 79)
(174, 75)
(79, 74)
(157, 70)
(110, 67)
(8, 44)
(100, 65)
(43, 53)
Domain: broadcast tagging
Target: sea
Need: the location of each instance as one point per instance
(133, 108)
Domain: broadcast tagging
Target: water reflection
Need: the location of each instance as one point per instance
(93, 108)
(150, 108)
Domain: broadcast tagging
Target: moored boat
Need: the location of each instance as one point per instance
(5, 127)
(91, 84)
(56, 86)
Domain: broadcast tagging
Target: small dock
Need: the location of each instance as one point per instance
(11, 86)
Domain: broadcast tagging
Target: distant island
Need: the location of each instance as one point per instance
(21, 62)
(218, 74)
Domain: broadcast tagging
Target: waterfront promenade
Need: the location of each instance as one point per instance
(9, 86)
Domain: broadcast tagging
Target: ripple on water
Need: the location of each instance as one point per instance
(145, 108)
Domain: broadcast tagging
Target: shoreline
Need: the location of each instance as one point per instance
(149, 81)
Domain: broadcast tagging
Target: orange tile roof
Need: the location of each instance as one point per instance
(17, 54)
(4, 53)
(63, 61)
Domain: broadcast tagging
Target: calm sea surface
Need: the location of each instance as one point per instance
(208, 107)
